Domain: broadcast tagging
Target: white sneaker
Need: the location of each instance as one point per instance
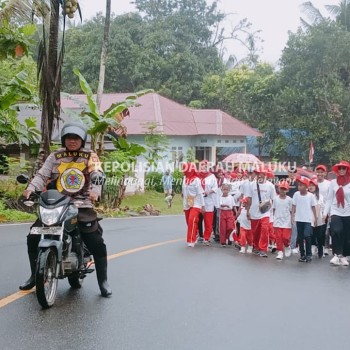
(343, 261)
(190, 245)
(250, 249)
(287, 252)
(295, 251)
(279, 255)
(335, 260)
(325, 251)
(314, 250)
(242, 250)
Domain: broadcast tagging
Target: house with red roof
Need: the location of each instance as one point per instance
(208, 133)
(211, 133)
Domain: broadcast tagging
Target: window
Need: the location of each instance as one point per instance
(219, 141)
(204, 141)
(227, 141)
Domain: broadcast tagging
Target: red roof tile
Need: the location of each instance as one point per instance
(172, 117)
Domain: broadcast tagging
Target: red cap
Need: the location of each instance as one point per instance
(284, 184)
(233, 175)
(303, 180)
(270, 175)
(321, 167)
(313, 180)
(260, 171)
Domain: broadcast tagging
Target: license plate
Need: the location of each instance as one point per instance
(46, 231)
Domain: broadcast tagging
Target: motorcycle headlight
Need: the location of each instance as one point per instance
(50, 216)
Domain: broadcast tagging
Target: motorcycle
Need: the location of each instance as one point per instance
(62, 253)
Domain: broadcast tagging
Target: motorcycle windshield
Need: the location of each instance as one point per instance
(53, 198)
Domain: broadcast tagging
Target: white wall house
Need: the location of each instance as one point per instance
(212, 134)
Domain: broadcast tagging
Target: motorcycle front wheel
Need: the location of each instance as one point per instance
(45, 280)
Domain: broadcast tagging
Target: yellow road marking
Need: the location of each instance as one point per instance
(18, 295)
(13, 297)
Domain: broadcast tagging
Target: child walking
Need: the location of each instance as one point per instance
(193, 201)
(246, 235)
(319, 230)
(304, 215)
(282, 212)
(227, 219)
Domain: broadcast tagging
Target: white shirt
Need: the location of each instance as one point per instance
(210, 184)
(324, 187)
(235, 185)
(303, 207)
(267, 193)
(320, 209)
(243, 220)
(219, 193)
(244, 187)
(227, 201)
(331, 207)
(193, 189)
(283, 210)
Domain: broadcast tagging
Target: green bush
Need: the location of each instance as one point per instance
(10, 188)
(10, 215)
(153, 181)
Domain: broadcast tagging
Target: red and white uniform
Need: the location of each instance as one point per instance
(209, 189)
(226, 217)
(282, 223)
(260, 221)
(193, 201)
(245, 231)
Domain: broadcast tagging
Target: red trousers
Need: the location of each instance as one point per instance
(282, 237)
(208, 224)
(192, 216)
(246, 236)
(227, 224)
(260, 230)
(272, 235)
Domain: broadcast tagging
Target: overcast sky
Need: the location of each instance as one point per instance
(273, 17)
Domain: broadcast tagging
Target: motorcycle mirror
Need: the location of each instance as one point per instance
(29, 203)
(98, 178)
(22, 179)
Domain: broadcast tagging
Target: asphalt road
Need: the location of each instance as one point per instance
(173, 297)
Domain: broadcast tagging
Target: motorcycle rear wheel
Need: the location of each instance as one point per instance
(75, 281)
(45, 280)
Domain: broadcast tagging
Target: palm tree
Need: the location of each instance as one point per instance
(104, 53)
(50, 56)
(340, 12)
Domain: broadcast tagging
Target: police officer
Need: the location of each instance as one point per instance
(68, 170)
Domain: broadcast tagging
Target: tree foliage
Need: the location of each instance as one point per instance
(168, 45)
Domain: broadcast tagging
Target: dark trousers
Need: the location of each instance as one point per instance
(304, 234)
(200, 225)
(340, 233)
(319, 238)
(216, 224)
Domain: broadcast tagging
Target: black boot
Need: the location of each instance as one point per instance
(30, 283)
(101, 273)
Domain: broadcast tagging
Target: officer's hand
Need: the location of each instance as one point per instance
(26, 193)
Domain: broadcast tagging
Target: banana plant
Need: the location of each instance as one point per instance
(108, 122)
(17, 90)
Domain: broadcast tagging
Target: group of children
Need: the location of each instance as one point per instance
(255, 213)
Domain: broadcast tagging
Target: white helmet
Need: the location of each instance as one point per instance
(74, 128)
